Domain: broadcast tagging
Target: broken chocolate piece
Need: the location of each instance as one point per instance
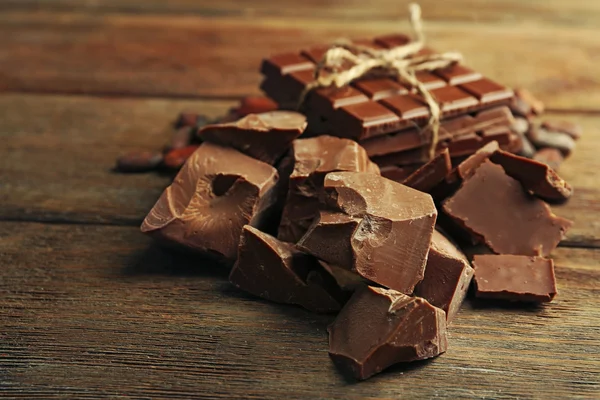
(375, 227)
(312, 159)
(515, 278)
(570, 128)
(278, 271)
(447, 276)
(549, 156)
(379, 327)
(542, 137)
(216, 193)
(397, 173)
(430, 174)
(535, 176)
(494, 206)
(266, 136)
(346, 280)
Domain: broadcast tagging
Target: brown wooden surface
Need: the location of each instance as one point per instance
(91, 308)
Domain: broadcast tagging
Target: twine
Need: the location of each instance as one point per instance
(399, 62)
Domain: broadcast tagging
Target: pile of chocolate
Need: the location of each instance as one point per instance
(340, 209)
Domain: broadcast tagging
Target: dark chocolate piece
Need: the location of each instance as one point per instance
(431, 173)
(312, 159)
(379, 327)
(266, 136)
(216, 193)
(494, 206)
(375, 227)
(549, 156)
(139, 161)
(535, 176)
(278, 271)
(542, 137)
(447, 276)
(570, 128)
(515, 278)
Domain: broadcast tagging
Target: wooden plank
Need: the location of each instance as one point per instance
(579, 12)
(183, 56)
(92, 311)
(56, 155)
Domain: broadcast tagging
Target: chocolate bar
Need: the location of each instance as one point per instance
(514, 278)
(216, 193)
(278, 271)
(375, 227)
(376, 106)
(378, 328)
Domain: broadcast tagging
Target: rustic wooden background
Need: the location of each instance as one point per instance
(89, 307)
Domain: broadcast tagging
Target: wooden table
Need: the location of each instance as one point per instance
(89, 307)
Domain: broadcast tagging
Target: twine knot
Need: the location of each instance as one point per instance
(345, 62)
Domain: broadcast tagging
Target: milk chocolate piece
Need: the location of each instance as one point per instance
(379, 327)
(467, 168)
(278, 271)
(515, 278)
(346, 280)
(570, 128)
(266, 136)
(535, 176)
(549, 156)
(312, 159)
(397, 173)
(216, 193)
(375, 227)
(430, 174)
(494, 206)
(447, 276)
(542, 137)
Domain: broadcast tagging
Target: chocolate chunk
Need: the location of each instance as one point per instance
(375, 227)
(570, 128)
(467, 168)
(397, 173)
(515, 278)
(216, 193)
(430, 174)
(379, 327)
(266, 136)
(549, 156)
(494, 206)
(447, 276)
(535, 106)
(541, 137)
(278, 271)
(312, 159)
(139, 161)
(346, 280)
(535, 176)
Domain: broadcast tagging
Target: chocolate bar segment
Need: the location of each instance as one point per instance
(375, 227)
(431, 174)
(535, 176)
(494, 207)
(266, 136)
(312, 159)
(514, 278)
(379, 327)
(278, 271)
(447, 276)
(216, 193)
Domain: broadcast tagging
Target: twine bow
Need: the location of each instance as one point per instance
(399, 62)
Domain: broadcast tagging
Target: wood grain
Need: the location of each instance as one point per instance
(547, 12)
(91, 311)
(56, 153)
(199, 56)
